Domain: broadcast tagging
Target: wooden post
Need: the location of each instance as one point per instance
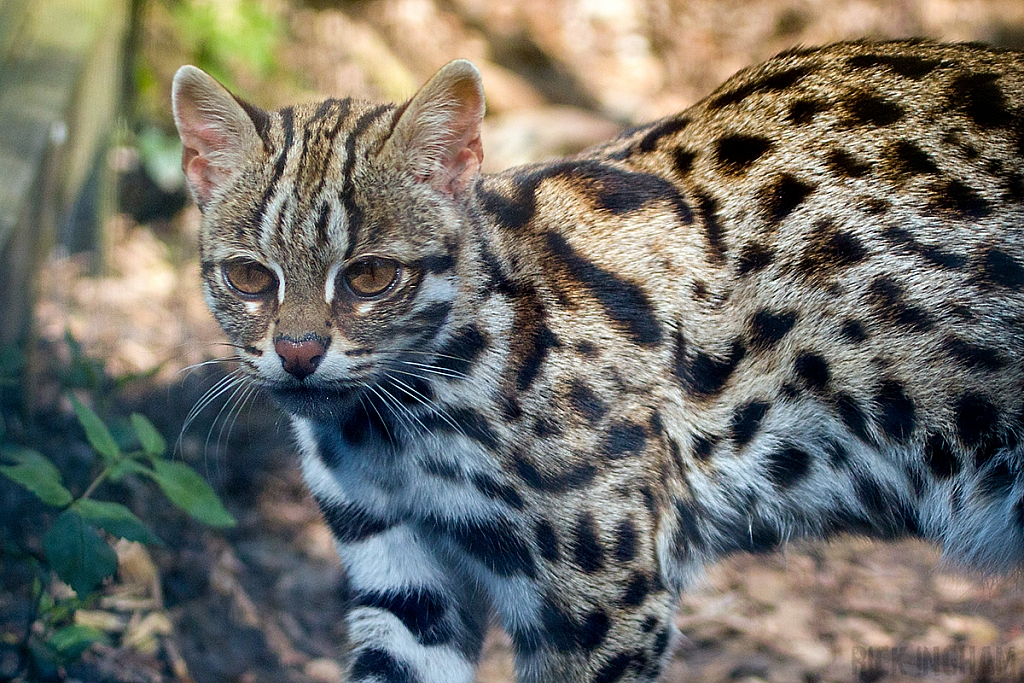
(60, 82)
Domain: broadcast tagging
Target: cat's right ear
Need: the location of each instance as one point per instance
(217, 131)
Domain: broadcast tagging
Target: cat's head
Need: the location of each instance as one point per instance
(331, 232)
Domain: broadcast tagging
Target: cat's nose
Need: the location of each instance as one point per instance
(300, 358)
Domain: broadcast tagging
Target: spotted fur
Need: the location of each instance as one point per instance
(794, 310)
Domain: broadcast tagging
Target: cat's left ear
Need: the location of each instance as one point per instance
(218, 132)
(438, 134)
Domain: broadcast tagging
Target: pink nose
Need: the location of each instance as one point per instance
(300, 358)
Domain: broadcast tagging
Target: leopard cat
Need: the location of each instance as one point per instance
(546, 398)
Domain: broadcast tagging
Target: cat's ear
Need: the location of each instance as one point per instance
(438, 134)
(217, 130)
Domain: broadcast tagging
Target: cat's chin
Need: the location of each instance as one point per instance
(315, 403)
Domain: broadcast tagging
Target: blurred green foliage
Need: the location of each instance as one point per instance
(235, 41)
(78, 526)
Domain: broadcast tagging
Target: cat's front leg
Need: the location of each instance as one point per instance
(409, 617)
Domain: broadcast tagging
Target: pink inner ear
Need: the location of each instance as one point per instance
(200, 143)
(465, 165)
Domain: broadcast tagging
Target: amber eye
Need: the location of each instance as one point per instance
(371, 276)
(248, 278)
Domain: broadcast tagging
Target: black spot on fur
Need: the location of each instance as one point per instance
(549, 481)
(902, 240)
(891, 516)
(766, 329)
(852, 415)
(896, 416)
(351, 523)
(420, 610)
(997, 481)
(656, 425)
(593, 630)
(783, 196)
(437, 264)
(465, 421)
(980, 98)
(788, 465)
(852, 331)
(828, 250)
(813, 370)
(624, 302)
(623, 438)
(547, 540)
(909, 66)
(536, 348)
(703, 446)
(545, 426)
(637, 590)
(561, 630)
(973, 356)
(772, 83)
(661, 643)
(867, 109)
(846, 164)
(954, 196)
(1014, 186)
(365, 424)
(909, 159)
(661, 130)
(754, 257)
(625, 540)
(496, 490)
(511, 211)
(976, 418)
(587, 551)
(462, 350)
(587, 349)
(746, 420)
(495, 543)
(689, 541)
(889, 299)
(682, 160)
(705, 376)
(712, 227)
(737, 152)
(373, 663)
(614, 668)
(941, 459)
(838, 454)
(586, 402)
(803, 110)
(1000, 268)
(442, 469)
(430, 319)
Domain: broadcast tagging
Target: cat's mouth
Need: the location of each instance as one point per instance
(316, 402)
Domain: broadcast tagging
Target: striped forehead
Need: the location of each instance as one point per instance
(314, 149)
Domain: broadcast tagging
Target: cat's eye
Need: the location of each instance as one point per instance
(249, 279)
(371, 276)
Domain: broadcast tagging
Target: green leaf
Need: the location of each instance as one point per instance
(97, 433)
(116, 519)
(185, 488)
(149, 437)
(37, 474)
(128, 466)
(72, 641)
(75, 550)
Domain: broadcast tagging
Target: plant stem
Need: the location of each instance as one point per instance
(96, 482)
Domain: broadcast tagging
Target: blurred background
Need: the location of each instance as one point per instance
(100, 300)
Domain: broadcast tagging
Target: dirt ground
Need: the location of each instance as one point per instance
(262, 603)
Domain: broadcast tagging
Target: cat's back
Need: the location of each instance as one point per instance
(832, 235)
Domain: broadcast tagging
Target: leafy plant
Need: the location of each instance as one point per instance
(75, 546)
